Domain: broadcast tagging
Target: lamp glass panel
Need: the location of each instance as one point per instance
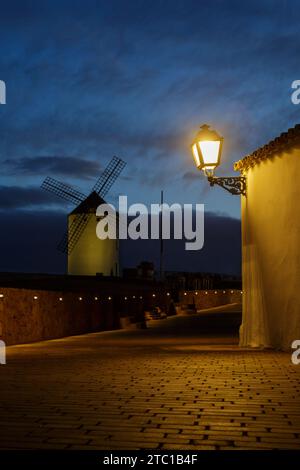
(210, 152)
(196, 155)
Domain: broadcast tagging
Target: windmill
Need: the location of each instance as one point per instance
(86, 253)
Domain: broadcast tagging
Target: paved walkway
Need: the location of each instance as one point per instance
(181, 384)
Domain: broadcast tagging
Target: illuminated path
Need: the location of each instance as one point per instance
(182, 384)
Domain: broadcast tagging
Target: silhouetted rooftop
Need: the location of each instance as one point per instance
(89, 205)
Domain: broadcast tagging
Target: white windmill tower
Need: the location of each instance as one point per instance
(87, 254)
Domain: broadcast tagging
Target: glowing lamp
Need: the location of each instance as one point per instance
(207, 148)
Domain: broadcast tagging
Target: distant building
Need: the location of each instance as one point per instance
(271, 243)
(145, 270)
(90, 255)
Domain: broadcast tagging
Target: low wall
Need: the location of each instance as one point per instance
(28, 315)
(203, 299)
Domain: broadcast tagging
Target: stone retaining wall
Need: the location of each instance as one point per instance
(210, 298)
(28, 315)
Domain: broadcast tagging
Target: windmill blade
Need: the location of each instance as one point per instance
(63, 190)
(71, 237)
(109, 176)
(81, 220)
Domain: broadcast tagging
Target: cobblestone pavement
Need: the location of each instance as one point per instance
(168, 387)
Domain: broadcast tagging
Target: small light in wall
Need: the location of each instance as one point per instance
(206, 292)
(133, 296)
(231, 292)
(79, 298)
(168, 294)
(109, 298)
(196, 293)
(241, 291)
(96, 298)
(1, 296)
(153, 295)
(216, 292)
(224, 292)
(141, 296)
(185, 293)
(125, 298)
(35, 297)
(60, 299)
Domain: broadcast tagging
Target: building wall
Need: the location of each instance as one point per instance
(92, 255)
(203, 299)
(271, 253)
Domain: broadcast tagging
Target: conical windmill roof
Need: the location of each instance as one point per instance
(89, 205)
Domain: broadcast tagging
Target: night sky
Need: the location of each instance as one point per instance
(87, 80)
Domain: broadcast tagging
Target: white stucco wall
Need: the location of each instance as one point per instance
(92, 255)
(271, 253)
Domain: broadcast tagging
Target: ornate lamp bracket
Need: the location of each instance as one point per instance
(234, 184)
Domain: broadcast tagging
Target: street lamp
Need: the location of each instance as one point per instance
(207, 149)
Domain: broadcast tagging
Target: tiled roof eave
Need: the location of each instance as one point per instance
(281, 144)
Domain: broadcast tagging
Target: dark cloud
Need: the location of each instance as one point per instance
(16, 197)
(221, 252)
(191, 176)
(55, 165)
(28, 241)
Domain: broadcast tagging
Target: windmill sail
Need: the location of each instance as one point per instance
(63, 190)
(109, 176)
(81, 220)
(72, 235)
(102, 186)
